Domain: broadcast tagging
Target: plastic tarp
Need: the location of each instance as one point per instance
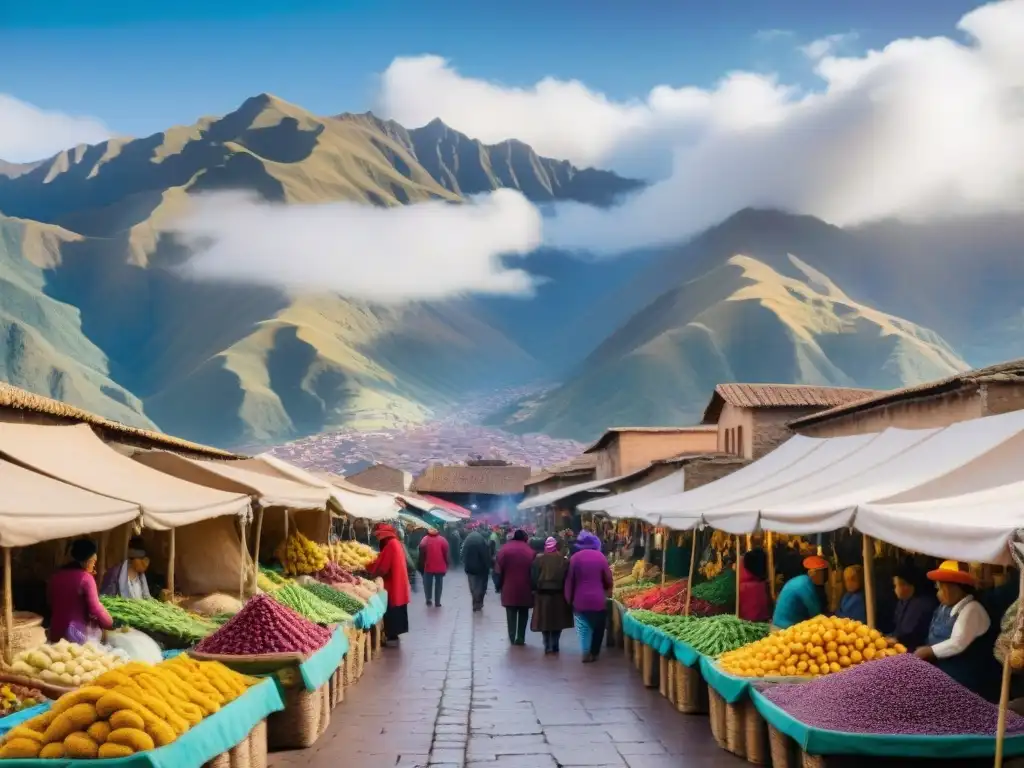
(35, 508)
(855, 466)
(74, 455)
(268, 490)
(623, 505)
(543, 499)
(680, 504)
(353, 500)
(450, 507)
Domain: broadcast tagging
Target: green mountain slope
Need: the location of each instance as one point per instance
(744, 320)
(232, 364)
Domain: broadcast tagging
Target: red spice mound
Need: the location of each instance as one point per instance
(265, 626)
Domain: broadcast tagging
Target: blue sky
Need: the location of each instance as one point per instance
(141, 66)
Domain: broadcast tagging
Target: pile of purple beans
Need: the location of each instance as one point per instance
(897, 695)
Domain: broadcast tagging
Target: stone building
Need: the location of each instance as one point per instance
(751, 420)
(485, 487)
(381, 477)
(582, 469)
(970, 395)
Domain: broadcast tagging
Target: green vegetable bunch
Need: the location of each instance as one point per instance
(335, 597)
(721, 590)
(710, 636)
(154, 616)
(305, 603)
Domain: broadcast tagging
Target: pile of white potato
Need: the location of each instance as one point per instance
(67, 664)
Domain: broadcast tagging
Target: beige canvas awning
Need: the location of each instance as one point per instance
(351, 499)
(35, 508)
(268, 490)
(76, 456)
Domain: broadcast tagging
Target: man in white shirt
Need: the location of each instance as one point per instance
(957, 636)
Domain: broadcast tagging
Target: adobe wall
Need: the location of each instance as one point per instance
(922, 413)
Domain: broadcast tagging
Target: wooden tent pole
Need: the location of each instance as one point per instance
(243, 552)
(256, 548)
(693, 565)
(170, 569)
(8, 608)
(771, 565)
(664, 550)
(739, 555)
(1004, 700)
(869, 578)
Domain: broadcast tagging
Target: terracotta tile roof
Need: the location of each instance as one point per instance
(493, 480)
(1012, 371)
(17, 399)
(780, 396)
(613, 431)
(381, 477)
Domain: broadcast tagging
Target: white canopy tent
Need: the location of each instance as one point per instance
(268, 490)
(976, 527)
(351, 499)
(623, 505)
(36, 508)
(775, 472)
(74, 455)
(591, 486)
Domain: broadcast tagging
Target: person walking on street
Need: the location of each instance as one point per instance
(433, 564)
(514, 569)
(391, 566)
(476, 561)
(551, 613)
(587, 588)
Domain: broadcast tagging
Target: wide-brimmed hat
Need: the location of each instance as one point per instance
(949, 573)
(815, 563)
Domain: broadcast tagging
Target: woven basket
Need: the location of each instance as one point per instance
(627, 646)
(367, 647)
(716, 709)
(336, 687)
(615, 626)
(691, 690)
(360, 654)
(755, 731)
(783, 749)
(664, 676)
(735, 733)
(302, 721)
(650, 666)
(250, 752)
(638, 655)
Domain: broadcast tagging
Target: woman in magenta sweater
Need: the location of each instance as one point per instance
(76, 613)
(587, 588)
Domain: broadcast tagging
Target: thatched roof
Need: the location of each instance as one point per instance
(1012, 371)
(20, 400)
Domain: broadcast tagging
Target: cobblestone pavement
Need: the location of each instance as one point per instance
(456, 695)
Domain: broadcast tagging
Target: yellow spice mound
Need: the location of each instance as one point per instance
(820, 646)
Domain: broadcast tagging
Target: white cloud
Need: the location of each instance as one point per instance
(828, 45)
(29, 133)
(428, 251)
(923, 127)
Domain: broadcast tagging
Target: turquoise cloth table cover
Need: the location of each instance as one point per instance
(685, 654)
(729, 687)
(318, 668)
(816, 741)
(373, 611)
(631, 627)
(652, 636)
(215, 734)
(17, 718)
(171, 653)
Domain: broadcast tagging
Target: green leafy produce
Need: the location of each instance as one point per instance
(710, 636)
(154, 616)
(276, 577)
(336, 597)
(721, 590)
(305, 603)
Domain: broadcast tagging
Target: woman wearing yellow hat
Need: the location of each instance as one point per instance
(800, 598)
(957, 634)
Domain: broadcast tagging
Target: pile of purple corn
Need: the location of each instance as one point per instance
(897, 695)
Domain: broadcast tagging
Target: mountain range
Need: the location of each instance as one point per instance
(93, 312)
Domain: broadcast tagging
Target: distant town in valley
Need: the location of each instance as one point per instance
(450, 439)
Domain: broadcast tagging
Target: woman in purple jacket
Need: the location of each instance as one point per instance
(587, 587)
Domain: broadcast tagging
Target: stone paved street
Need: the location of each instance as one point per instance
(457, 695)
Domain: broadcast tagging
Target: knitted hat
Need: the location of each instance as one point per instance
(550, 544)
(949, 572)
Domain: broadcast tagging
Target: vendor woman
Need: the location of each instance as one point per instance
(801, 597)
(76, 613)
(391, 566)
(958, 632)
(128, 579)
